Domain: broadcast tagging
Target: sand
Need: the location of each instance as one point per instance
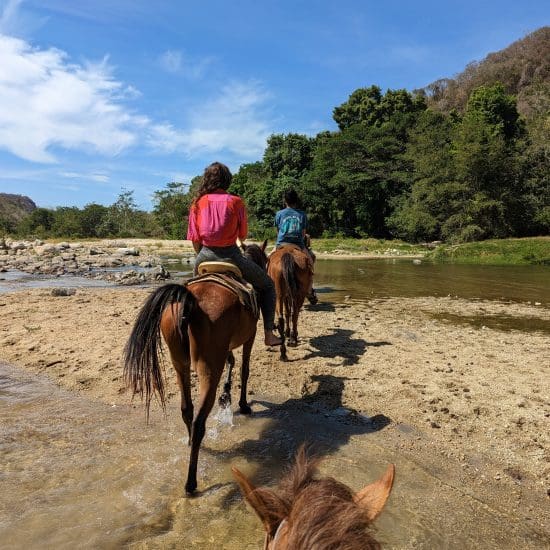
(468, 399)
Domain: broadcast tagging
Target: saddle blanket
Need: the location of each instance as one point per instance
(244, 291)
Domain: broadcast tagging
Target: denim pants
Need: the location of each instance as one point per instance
(252, 273)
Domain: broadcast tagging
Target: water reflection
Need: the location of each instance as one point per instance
(364, 279)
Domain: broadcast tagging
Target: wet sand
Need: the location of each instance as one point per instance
(467, 401)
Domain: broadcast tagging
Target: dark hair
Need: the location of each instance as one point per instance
(216, 176)
(291, 197)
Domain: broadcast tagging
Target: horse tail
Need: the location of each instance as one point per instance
(142, 353)
(289, 275)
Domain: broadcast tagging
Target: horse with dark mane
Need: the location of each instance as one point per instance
(312, 513)
(291, 269)
(201, 324)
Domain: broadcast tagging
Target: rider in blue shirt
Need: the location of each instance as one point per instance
(292, 224)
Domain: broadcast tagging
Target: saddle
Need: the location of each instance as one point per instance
(229, 276)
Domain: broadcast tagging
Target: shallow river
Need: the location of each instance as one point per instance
(81, 474)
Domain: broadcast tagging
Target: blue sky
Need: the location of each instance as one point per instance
(104, 95)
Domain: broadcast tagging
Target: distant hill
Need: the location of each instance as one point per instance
(523, 68)
(13, 208)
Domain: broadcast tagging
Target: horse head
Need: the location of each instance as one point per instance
(312, 512)
(256, 253)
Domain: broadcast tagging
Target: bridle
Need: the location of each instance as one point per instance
(276, 537)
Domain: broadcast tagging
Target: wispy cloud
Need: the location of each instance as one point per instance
(178, 62)
(9, 16)
(94, 176)
(236, 121)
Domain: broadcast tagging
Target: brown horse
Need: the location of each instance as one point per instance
(200, 324)
(291, 269)
(311, 513)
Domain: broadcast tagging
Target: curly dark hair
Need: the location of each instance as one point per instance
(291, 197)
(216, 176)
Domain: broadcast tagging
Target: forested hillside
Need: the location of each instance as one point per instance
(463, 159)
(523, 68)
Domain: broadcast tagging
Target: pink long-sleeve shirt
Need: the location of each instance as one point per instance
(217, 219)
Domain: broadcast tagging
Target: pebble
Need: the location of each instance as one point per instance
(63, 291)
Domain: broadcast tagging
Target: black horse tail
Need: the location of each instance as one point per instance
(142, 353)
(289, 275)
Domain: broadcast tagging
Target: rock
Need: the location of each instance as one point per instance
(416, 261)
(127, 251)
(63, 291)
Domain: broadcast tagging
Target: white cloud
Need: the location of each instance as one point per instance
(94, 176)
(177, 62)
(235, 121)
(46, 101)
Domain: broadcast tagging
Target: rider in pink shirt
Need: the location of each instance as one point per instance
(216, 220)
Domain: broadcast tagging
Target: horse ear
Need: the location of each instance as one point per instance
(373, 497)
(244, 247)
(258, 499)
(264, 245)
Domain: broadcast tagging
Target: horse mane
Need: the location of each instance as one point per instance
(256, 254)
(321, 512)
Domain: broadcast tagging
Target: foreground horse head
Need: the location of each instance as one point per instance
(200, 324)
(317, 513)
(291, 269)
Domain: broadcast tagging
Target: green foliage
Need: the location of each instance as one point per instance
(287, 155)
(171, 208)
(497, 252)
(369, 107)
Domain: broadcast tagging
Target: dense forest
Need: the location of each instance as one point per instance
(463, 159)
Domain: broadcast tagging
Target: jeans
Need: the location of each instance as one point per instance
(252, 273)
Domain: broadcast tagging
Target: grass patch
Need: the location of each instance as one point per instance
(366, 246)
(526, 251)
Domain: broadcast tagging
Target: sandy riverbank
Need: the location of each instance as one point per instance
(474, 403)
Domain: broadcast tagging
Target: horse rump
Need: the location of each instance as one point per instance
(142, 353)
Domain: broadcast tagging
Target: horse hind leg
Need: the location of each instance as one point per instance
(225, 398)
(244, 407)
(178, 346)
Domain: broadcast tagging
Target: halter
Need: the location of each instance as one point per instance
(276, 537)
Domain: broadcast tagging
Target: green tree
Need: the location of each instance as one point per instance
(67, 222)
(38, 223)
(93, 220)
(369, 107)
(287, 155)
(170, 208)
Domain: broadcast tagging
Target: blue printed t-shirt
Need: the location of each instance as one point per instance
(291, 224)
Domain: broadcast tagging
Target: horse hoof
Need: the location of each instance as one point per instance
(245, 409)
(224, 401)
(190, 490)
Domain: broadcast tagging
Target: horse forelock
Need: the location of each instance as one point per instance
(321, 513)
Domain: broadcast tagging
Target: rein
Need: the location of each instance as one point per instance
(276, 537)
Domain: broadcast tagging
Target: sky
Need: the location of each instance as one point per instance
(104, 96)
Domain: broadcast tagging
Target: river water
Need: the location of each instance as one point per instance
(82, 474)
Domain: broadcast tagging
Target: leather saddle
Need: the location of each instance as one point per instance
(229, 276)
